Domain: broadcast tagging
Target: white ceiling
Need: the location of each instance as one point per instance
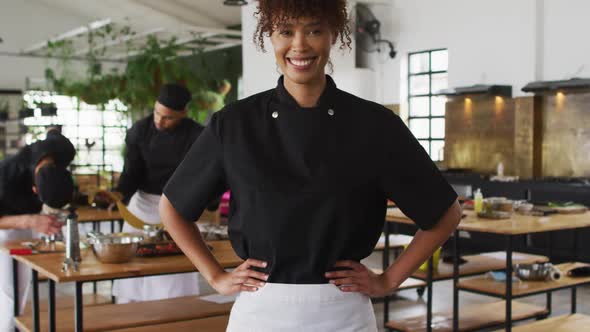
(25, 23)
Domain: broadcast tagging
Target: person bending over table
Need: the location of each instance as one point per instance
(36, 175)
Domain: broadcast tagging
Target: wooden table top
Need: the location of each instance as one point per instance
(90, 214)
(91, 269)
(516, 225)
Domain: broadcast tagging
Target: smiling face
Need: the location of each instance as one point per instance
(302, 49)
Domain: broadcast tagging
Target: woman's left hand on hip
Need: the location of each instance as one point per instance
(359, 278)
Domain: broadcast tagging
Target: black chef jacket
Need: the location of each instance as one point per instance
(152, 155)
(309, 185)
(16, 184)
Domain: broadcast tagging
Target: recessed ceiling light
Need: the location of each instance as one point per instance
(235, 2)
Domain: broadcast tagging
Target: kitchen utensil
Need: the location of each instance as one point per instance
(114, 248)
(537, 271)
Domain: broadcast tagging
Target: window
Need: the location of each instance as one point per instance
(427, 75)
(98, 134)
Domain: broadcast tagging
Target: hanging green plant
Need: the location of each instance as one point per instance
(149, 66)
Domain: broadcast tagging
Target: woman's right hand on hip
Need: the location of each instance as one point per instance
(241, 279)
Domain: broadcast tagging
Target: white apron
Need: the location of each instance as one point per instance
(6, 287)
(309, 308)
(145, 207)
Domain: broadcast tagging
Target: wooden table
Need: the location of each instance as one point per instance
(90, 269)
(516, 225)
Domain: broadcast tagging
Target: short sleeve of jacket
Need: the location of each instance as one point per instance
(410, 178)
(200, 178)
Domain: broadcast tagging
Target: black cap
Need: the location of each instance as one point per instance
(55, 186)
(174, 96)
(56, 145)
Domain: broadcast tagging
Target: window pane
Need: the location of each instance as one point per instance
(419, 85)
(438, 151)
(112, 118)
(420, 127)
(440, 60)
(114, 138)
(438, 106)
(439, 82)
(419, 63)
(93, 118)
(419, 106)
(438, 128)
(426, 146)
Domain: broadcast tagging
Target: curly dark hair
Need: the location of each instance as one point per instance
(271, 13)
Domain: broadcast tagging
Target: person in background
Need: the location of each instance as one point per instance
(211, 101)
(36, 175)
(155, 146)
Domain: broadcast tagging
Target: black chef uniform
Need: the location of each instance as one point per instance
(152, 155)
(309, 185)
(17, 198)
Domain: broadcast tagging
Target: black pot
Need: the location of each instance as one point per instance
(26, 113)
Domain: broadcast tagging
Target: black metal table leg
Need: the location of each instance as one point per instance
(456, 281)
(79, 319)
(574, 300)
(35, 282)
(429, 296)
(15, 287)
(385, 266)
(51, 305)
(508, 322)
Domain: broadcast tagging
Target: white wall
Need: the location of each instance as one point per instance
(23, 23)
(566, 47)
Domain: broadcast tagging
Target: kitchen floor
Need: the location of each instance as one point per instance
(407, 303)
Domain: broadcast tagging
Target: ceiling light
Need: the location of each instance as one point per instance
(235, 2)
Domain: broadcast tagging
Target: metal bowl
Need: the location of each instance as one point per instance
(114, 248)
(536, 271)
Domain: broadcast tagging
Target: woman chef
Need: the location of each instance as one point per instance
(310, 168)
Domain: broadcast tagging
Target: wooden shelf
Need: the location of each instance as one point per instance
(489, 286)
(567, 323)
(470, 318)
(396, 241)
(120, 316)
(212, 324)
(66, 301)
(481, 263)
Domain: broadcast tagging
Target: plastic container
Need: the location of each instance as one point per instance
(478, 201)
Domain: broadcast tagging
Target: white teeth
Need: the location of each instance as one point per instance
(301, 63)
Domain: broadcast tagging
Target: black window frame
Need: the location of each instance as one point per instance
(430, 95)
